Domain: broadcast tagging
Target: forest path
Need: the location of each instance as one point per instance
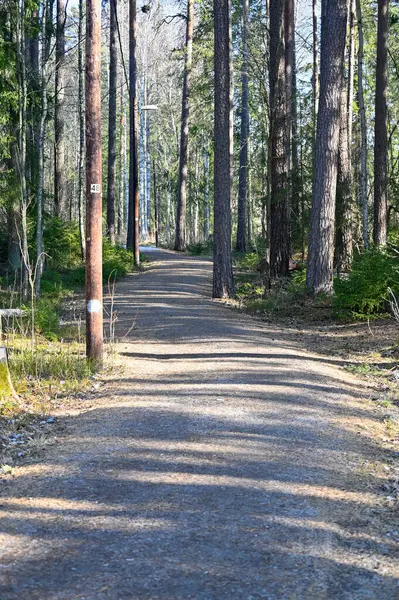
(224, 463)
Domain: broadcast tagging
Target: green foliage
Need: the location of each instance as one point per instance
(47, 320)
(43, 317)
(62, 244)
(198, 249)
(246, 290)
(298, 281)
(117, 261)
(364, 293)
(247, 261)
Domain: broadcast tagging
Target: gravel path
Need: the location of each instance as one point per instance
(223, 463)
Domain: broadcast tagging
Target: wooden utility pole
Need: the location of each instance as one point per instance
(94, 288)
(133, 218)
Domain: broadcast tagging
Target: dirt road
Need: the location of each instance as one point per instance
(224, 463)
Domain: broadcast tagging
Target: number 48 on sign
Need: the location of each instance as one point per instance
(95, 188)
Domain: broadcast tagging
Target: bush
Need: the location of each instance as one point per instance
(364, 293)
(247, 261)
(200, 248)
(62, 244)
(117, 261)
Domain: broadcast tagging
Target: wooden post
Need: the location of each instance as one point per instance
(94, 284)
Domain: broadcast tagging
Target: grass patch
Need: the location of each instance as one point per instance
(365, 369)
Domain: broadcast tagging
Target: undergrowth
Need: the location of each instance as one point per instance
(360, 295)
(200, 249)
(364, 293)
(46, 345)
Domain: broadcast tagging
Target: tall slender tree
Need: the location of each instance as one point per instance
(278, 146)
(321, 240)
(81, 116)
(22, 143)
(40, 144)
(113, 74)
(133, 216)
(315, 75)
(180, 239)
(344, 208)
(223, 285)
(363, 127)
(60, 192)
(241, 243)
(380, 231)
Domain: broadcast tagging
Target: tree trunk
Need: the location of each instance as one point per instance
(363, 128)
(133, 219)
(148, 175)
(22, 137)
(206, 194)
(222, 261)
(278, 145)
(241, 243)
(344, 207)
(180, 240)
(351, 75)
(113, 74)
(81, 104)
(156, 206)
(122, 157)
(40, 150)
(295, 170)
(321, 239)
(380, 231)
(60, 192)
(315, 78)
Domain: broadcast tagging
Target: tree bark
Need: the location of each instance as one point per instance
(206, 193)
(222, 261)
(380, 230)
(315, 78)
(122, 157)
(278, 146)
(180, 240)
(40, 150)
(60, 192)
(81, 108)
(22, 139)
(344, 206)
(133, 219)
(321, 239)
(241, 242)
(295, 170)
(113, 73)
(363, 128)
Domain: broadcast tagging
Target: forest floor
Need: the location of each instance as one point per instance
(220, 460)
